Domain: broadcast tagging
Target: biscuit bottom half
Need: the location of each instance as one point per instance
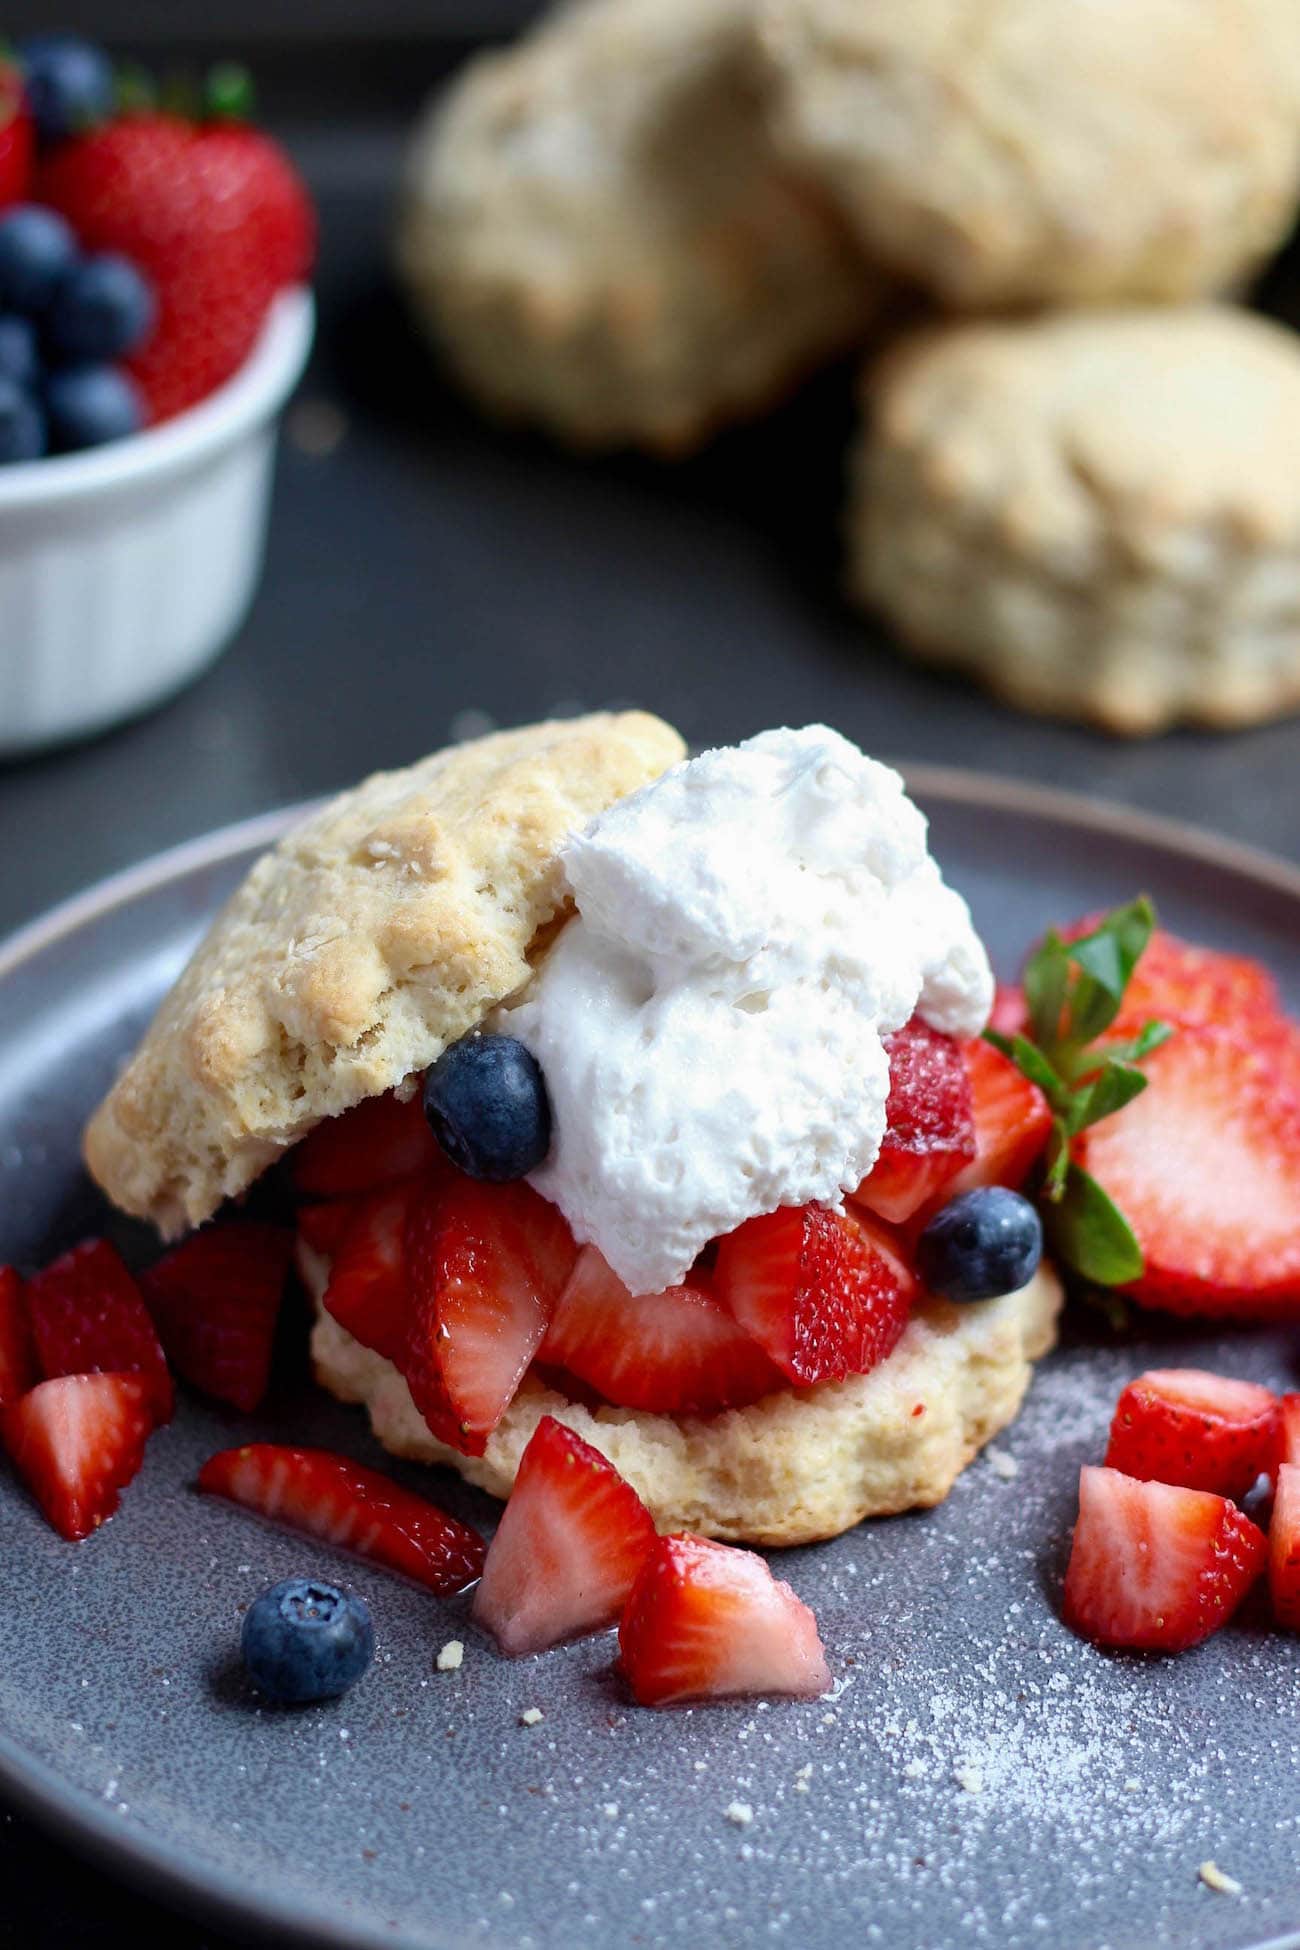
(801, 1465)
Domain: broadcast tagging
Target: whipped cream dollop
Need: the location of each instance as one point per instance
(709, 1022)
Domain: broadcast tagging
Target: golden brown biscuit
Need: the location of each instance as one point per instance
(377, 932)
(600, 235)
(1047, 151)
(1096, 514)
(802, 1465)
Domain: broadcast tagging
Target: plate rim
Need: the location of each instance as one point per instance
(207, 1892)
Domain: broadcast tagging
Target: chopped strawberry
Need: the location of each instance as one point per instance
(215, 1300)
(1284, 1548)
(368, 1292)
(349, 1506)
(568, 1548)
(1012, 1120)
(485, 1265)
(680, 1352)
(822, 1293)
(18, 1369)
(1156, 1567)
(707, 1621)
(376, 1141)
(87, 1317)
(1205, 1166)
(1010, 1012)
(77, 1441)
(1289, 1429)
(1203, 1431)
(931, 1130)
(322, 1227)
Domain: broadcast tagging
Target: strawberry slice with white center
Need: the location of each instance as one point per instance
(377, 1141)
(353, 1508)
(1012, 1120)
(707, 1621)
(1284, 1548)
(1289, 1429)
(824, 1294)
(568, 1548)
(680, 1352)
(368, 1292)
(485, 1265)
(215, 1300)
(87, 1317)
(18, 1369)
(77, 1441)
(931, 1129)
(1155, 1567)
(1205, 1166)
(1203, 1431)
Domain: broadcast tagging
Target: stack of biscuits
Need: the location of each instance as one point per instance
(1079, 473)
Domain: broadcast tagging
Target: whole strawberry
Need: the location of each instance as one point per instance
(15, 138)
(216, 217)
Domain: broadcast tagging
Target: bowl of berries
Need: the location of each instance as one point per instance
(154, 317)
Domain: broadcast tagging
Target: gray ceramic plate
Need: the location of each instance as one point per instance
(981, 1777)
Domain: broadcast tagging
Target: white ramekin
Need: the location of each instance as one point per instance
(124, 570)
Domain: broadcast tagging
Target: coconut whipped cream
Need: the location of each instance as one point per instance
(709, 1023)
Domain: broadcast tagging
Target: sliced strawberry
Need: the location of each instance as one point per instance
(1205, 1165)
(707, 1621)
(368, 1292)
(1176, 981)
(351, 1507)
(1284, 1548)
(1203, 1431)
(822, 1293)
(87, 1317)
(1156, 1567)
(323, 1226)
(18, 1369)
(567, 1550)
(485, 1265)
(77, 1441)
(215, 1300)
(1010, 1012)
(1289, 1429)
(376, 1141)
(1012, 1120)
(931, 1130)
(675, 1353)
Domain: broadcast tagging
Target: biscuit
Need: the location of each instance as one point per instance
(1097, 515)
(378, 931)
(799, 1466)
(598, 233)
(1047, 151)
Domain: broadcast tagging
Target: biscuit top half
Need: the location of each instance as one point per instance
(374, 934)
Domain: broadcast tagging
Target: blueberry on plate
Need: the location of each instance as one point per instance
(486, 1102)
(102, 308)
(20, 358)
(90, 405)
(37, 250)
(69, 85)
(22, 424)
(305, 1640)
(981, 1244)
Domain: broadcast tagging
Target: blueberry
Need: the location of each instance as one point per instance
(101, 309)
(89, 405)
(304, 1640)
(22, 424)
(981, 1244)
(486, 1101)
(19, 354)
(69, 85)
(37, 249)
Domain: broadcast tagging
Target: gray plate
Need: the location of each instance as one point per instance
(980, 1778)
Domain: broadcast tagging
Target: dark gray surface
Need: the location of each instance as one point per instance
(980, 1777)
(428, 567)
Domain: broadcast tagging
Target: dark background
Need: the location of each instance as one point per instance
(427, 568)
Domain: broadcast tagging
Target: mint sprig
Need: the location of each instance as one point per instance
(1073, 992)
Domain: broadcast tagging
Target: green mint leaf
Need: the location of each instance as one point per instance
(1149, 1037)
(1031, 1063)
(1106, 959)
(1090, 1233)
(1046, 978)
(1056, 1159)
(1116, 1084)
